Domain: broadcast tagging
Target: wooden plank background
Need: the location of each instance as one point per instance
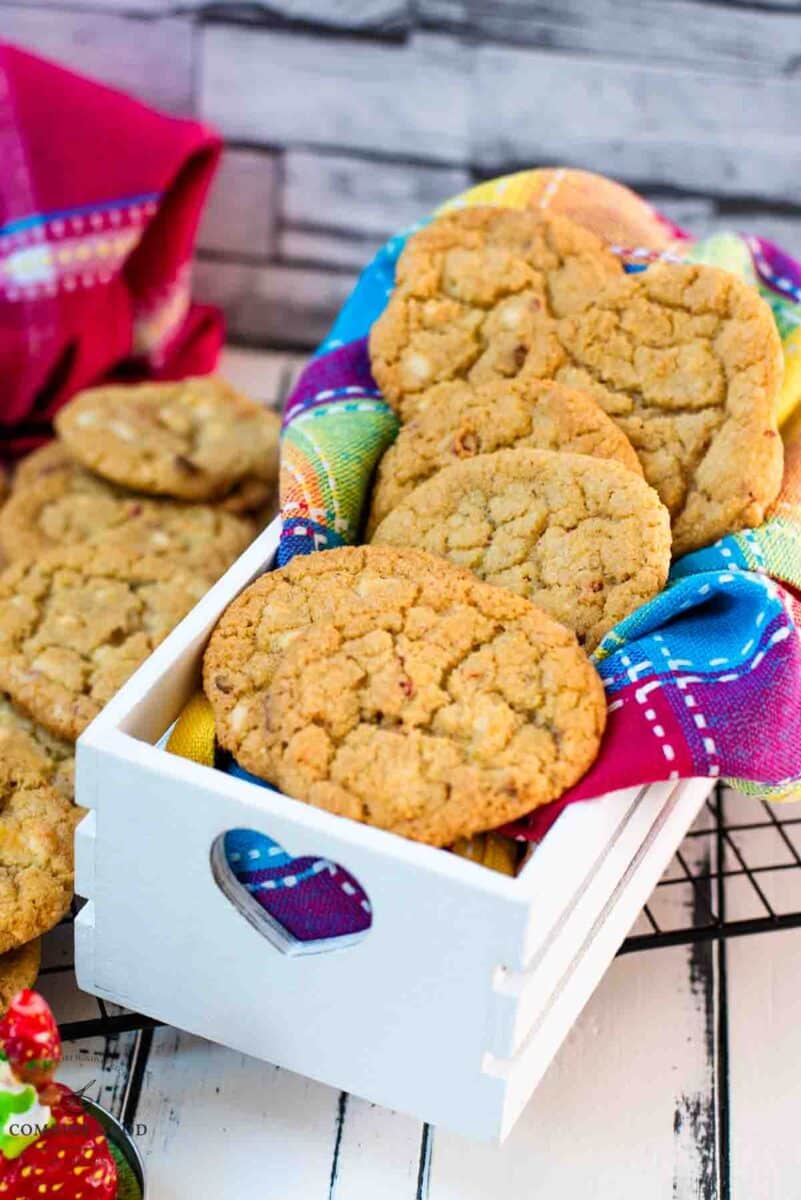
(347, 119)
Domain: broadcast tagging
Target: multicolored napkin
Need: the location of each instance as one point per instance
(100, 199)
(705, 680)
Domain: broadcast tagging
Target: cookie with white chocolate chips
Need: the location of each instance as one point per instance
(461, 707)
(584, 538)
(476, 295)
(195, 440)
(69, 506)
(76, 623)
(457, 421)
(36, 858)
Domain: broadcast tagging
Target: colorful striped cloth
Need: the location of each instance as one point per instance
(705, 680)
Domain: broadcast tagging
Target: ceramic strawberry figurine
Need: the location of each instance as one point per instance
(49, 1145)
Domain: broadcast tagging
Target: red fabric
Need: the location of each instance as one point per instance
(100, 199)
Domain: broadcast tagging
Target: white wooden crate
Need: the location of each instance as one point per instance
(456, 1000)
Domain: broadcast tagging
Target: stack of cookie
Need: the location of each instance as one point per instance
(113, 533)
(565, 425)
(566, 428)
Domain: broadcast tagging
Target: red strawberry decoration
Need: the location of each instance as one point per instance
(70, 1159)
(30, 1039)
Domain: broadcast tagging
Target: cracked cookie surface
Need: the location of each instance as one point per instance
(254, 631)
(18, 969)
(584, 538)
(688, 362)
(37, 826)
(33, 753)
(76, 623)
(456, 421)
(476, 294)
(195, 440)
(65, 505)
(459, 707)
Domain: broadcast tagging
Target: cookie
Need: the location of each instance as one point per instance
(52, 457)
(457, 421)
(194, 440)
(476, 293)
(36, 859)
(687, 361)
(456, 710)
(69, 506)
(33, 753)
(584, 538)
(18, 969)
(254, 631)
(75, 624)
(250, 496)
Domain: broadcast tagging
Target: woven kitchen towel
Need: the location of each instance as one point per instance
(706, 679)
(99, 204)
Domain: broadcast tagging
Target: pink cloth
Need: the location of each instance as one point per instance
(100, 199)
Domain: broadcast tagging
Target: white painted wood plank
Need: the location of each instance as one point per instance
(762, 975)
(151, 59)
(326, 249)
(273, 87)
(373, 16)
(715, 37)
(724, 134)
(222, 1126)
(241, 208)
(349, 194)
(379, 1151)
(124, 7)
(603, 1121)
(101, 1066)
(279, 304)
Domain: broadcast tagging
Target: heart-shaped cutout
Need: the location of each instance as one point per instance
(304, 905)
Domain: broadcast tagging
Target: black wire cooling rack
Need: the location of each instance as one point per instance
(737, 872)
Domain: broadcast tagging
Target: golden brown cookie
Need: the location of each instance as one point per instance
(250, 496)
(194, 440)
(687, 360)
(254, 631)
(450, 713)
(36, 859)
(76, 623)
(584, 538)
(69, 506)
(52, 457)
(457, 421)
(35, 754)
(476, 294)
(18, 969)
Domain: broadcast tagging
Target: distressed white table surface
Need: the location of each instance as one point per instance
(679, 1081)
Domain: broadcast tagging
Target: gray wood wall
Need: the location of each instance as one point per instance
(346, 119)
